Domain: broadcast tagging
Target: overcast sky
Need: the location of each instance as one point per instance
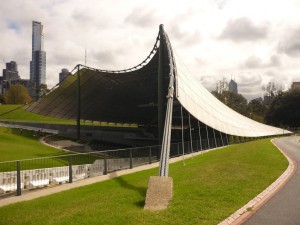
(252, 41)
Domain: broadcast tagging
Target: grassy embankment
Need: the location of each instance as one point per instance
(17, 146)
(18, 113)
(208, 189)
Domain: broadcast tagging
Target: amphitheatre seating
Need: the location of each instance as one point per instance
(9, 188)
(61, 179)
(39, 180)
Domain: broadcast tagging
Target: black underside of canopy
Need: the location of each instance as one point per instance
(128, 97)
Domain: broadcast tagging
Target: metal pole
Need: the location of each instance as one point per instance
(130, 161)
(105, 170)
(70, 170)
(78, 103)
(182, 135)
(191, 136)
(200, 135)
(150, 155)
(215, 137)
(221, 138)
(207, 137)
(161, 84)
(18, 179)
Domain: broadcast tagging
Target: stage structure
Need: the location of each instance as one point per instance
(159, 94)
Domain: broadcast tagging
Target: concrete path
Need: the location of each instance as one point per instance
(284, 207)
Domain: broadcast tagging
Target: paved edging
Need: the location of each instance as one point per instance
(241, 215)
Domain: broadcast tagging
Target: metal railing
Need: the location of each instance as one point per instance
(24, 175)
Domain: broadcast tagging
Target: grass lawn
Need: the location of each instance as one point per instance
(206, 190)
(16, 146)
(17, 113)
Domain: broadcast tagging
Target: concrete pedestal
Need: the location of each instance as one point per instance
(159, 193)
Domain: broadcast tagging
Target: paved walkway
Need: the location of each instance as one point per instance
(284, 207)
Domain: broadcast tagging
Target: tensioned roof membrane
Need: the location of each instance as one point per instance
(130, 96)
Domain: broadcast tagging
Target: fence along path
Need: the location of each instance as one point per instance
(19, 176)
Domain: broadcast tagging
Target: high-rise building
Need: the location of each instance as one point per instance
(232, 87)
(38, 60)
(11, 72)
(295, 85)
(63, 74)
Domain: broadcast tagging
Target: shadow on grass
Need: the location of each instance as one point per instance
(141, 190)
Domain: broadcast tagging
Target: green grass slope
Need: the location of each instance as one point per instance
(18, 113)
(206, 190)
(16, 146)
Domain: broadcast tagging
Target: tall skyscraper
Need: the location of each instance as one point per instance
(38, 60)
(232, 87)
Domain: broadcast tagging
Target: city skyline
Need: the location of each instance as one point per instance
(253, 41)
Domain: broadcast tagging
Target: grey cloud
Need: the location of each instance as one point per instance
(275, 61)
(243, 29)
(105, 58)
(254, 62)
(249, 80)
(209, 82)
(291, 45)
(221, 3)
(142, 17)
(62, 58)
(249, 85)
(184, 38)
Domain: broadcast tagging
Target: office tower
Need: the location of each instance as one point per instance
(38, 61)
(232, 86)
(295, 85)
(11, 72)
(63, 74)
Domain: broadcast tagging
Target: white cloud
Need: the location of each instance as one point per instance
(119, 34)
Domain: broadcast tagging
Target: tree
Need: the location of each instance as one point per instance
(284, 110)
(222, 85)
(256, 110)
(271, 91)
(41, 90)
(17, 94)
(236, 102)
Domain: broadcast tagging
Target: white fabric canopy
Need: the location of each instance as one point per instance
(205, 107)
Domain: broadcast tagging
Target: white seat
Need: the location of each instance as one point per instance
(9, 187)
(38, 183)
(61, 179)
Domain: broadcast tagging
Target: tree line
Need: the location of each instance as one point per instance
(279, 108)
(19, 94)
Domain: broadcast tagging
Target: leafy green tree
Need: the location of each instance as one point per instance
(284, 110)
(256, 110)
(236, 102)
(17, 94)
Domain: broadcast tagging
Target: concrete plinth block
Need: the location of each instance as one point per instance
(159, 193)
